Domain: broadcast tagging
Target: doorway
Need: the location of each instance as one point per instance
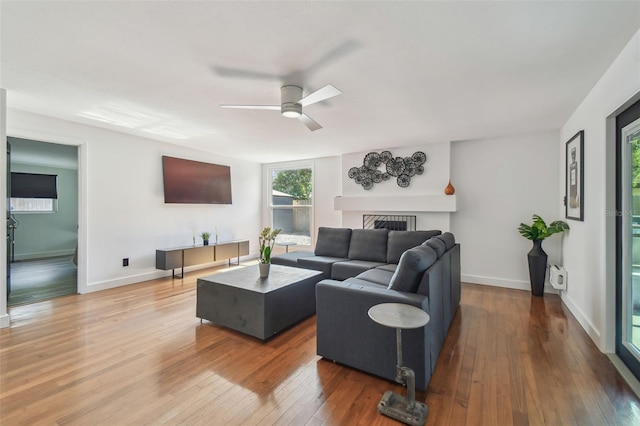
(628, 238)
(43, 221)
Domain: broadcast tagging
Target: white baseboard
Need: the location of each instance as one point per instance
(626, 374)
(501, 282)
(152, 275)
(44, 254)
(5, 321)
(587, 325)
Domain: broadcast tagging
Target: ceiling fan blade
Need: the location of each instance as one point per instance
(326, 92)
(270, 107)
(309, 122)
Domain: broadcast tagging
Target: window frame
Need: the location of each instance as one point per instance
(270, 207)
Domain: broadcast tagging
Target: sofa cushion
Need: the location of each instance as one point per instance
(319, 263)
(350, 268)
(291, 258)
(391, 267)
(368, 244)
(333, 242)
(359, 283)
(436, 244)
(411, 267)
(378, 276)
(401, 241)
(448, 239)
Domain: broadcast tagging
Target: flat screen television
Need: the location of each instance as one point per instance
(194, 182)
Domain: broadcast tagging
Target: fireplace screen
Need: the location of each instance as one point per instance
(391, 222)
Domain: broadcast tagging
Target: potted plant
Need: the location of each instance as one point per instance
(205, 238)
(537, 232)
(267, 239)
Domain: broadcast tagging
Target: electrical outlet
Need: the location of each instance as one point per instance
(125, 261)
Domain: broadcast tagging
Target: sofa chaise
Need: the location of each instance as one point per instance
(368, 267)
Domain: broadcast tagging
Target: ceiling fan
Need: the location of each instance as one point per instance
(292, 103)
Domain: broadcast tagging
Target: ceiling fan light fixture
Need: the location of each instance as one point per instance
(291, 110)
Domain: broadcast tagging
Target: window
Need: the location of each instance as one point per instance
(33, 205)
(33, 193)
(292, 204)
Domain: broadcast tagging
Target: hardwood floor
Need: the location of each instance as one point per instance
(42, 279)
(138, 355)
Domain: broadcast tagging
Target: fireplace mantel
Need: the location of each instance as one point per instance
(409, 203)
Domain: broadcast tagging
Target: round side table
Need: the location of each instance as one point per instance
(287, 244)
(403, 408)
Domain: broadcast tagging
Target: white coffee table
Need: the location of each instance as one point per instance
(401, 316)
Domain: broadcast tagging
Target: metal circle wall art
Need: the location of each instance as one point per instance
(378, 167)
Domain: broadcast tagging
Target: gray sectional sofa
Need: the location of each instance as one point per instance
(366, 267)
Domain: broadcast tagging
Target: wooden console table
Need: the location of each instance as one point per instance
(179, 257)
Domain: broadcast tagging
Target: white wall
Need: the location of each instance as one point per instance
(433, 181)
(589, 250)
(49, 234)
(327, 185)
(500, 183)
(122, 208)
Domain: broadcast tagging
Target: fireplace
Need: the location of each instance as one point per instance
(390, 222)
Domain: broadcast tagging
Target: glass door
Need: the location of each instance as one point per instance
(628, 226)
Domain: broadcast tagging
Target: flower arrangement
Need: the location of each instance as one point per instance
(267, 239)
(205, 236)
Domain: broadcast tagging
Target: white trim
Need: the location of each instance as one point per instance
(408, 203)
(4, 317)
(587, 325)
(501, 282)
(82, 191)
(626, 374)
(267, 203)
(5, 320)
(147, 276)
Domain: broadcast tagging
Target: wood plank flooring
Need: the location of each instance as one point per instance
(138, 355)
(42, 279)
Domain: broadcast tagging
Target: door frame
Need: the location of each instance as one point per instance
(81, 144)
(630, 114)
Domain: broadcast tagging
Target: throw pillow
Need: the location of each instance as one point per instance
(448, 239)
(411, 267)
(436, 244)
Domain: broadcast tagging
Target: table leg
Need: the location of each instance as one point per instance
(404, 409)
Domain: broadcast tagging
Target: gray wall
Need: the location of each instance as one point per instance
(49, 234)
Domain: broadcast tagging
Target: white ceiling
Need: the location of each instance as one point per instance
(410, 72)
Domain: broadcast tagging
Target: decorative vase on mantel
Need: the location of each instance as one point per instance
(537, 268)
(264, 269)
(449, 189)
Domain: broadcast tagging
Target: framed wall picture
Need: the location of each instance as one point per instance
(574, 177)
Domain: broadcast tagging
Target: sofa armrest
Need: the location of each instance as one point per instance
(347, 335)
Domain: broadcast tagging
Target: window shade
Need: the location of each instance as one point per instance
(31, 185)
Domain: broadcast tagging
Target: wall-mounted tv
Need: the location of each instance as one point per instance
(193, 182)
